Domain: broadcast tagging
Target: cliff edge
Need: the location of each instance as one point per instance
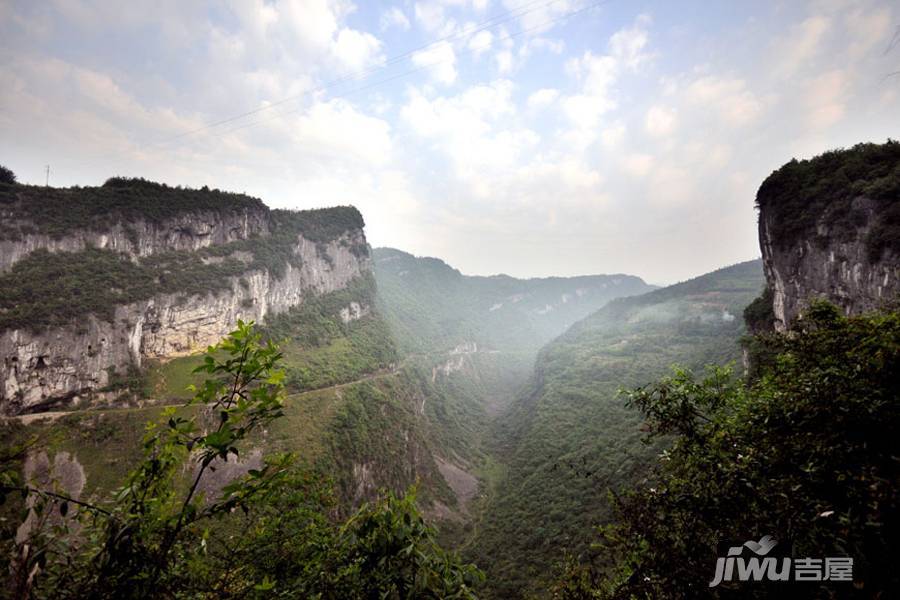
(98, 279)
(829, 227)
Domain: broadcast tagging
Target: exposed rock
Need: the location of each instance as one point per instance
(186, 231)
(354, 312)
(819, 265)
(463, 484)
(74, 364)
(65, 475)
(364, 480)
(224, 472)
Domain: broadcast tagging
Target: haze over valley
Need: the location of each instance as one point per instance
(449, 299)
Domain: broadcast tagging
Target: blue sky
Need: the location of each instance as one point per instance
(530, 137)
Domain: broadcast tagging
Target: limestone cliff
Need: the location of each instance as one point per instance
(275, 260)
(828, 228)
(143, 238)
(136, 217)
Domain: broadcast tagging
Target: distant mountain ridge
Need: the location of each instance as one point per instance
(430, 302)
(568, 438)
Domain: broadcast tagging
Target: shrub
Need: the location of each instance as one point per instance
(270, 533)
(7, 176)
(806, 452)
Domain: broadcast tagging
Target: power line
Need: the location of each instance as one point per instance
(496, 21)
(477, 28)
(417, 69)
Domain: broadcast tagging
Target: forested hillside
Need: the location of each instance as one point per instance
(569, 438)
(431, 305)
(479, 337)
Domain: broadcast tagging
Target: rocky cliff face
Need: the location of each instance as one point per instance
(140, 238)
(828, 228)
(83, 360)
(839, 271)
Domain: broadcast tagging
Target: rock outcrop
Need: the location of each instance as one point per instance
(828, 228)
(841, 272)
(142, 238)
(85, 360)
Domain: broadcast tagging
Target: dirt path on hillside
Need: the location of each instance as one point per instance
(53, 415)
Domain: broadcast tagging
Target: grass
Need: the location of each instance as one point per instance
(168, 381)
(107, 443)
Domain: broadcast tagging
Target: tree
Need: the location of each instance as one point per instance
(7, 176)
(807, 453)
(268, 533)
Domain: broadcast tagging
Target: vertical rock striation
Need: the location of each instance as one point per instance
(841, 272)
(47, 366)
(828, 229)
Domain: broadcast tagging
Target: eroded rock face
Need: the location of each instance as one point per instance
(74, 365)
(64, 474)
(822, 265)
(189, 231)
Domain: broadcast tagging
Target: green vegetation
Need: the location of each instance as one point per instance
(570, 438)
(828, 189)
(59, 211)
(48, 290)
(322, 225)
(270, 532)
(806, 452)
(759, 317)
(321, 349)
(7, 176)
(374, 430)
(432, 307)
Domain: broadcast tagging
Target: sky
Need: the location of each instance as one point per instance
(527, 137)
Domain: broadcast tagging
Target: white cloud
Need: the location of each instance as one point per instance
(627, 45)
(356, 49)
(660, 121)
(469, 113)
(598, 74)
(869, 29)
(542, 98)
(432, 15)
(440, 59)
(394, 17)
(729, 98)
(542, 43)
(623, 145)
(584, 110)
(504, 60)
(540, 18)
(613, 135)
(475, 131)
(336, 131)
(481, 42)
(638, 165)
(801, 45)
(826, 98)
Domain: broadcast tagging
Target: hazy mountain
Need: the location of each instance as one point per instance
(568, 438)
(433, 306)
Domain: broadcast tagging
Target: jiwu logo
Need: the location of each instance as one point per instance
(756, 566)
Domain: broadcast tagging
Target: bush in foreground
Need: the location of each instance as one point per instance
(270, 533)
